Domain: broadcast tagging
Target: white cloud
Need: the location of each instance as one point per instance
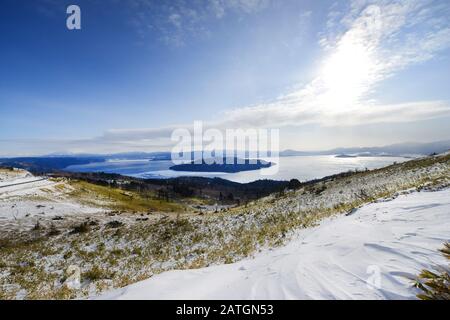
(374, 41)
(175, 19)
(381, 38)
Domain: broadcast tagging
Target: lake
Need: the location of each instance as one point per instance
(299, 167)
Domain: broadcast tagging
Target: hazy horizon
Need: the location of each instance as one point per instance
(406, 143)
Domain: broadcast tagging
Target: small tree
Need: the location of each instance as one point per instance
(294, 184)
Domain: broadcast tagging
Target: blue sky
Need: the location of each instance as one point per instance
(326, 73)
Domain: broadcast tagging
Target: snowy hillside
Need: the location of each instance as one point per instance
(340, 259)
(26, 199)
(369, 220)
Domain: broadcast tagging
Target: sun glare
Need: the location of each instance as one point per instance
(346, 76)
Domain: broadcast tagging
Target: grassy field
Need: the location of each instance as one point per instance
(118, 199)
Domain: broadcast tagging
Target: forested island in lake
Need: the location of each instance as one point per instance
(228, 165)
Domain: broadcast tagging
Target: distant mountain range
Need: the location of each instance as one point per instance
(58, 162)
(399, 149)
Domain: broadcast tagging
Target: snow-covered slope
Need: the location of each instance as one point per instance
(24, 198)
(371, 254)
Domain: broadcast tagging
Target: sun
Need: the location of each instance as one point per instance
(346, 76)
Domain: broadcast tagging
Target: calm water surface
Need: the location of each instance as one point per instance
(302, 168)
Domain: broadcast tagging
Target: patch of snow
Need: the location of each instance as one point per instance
(24, 197)
(372, 254)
